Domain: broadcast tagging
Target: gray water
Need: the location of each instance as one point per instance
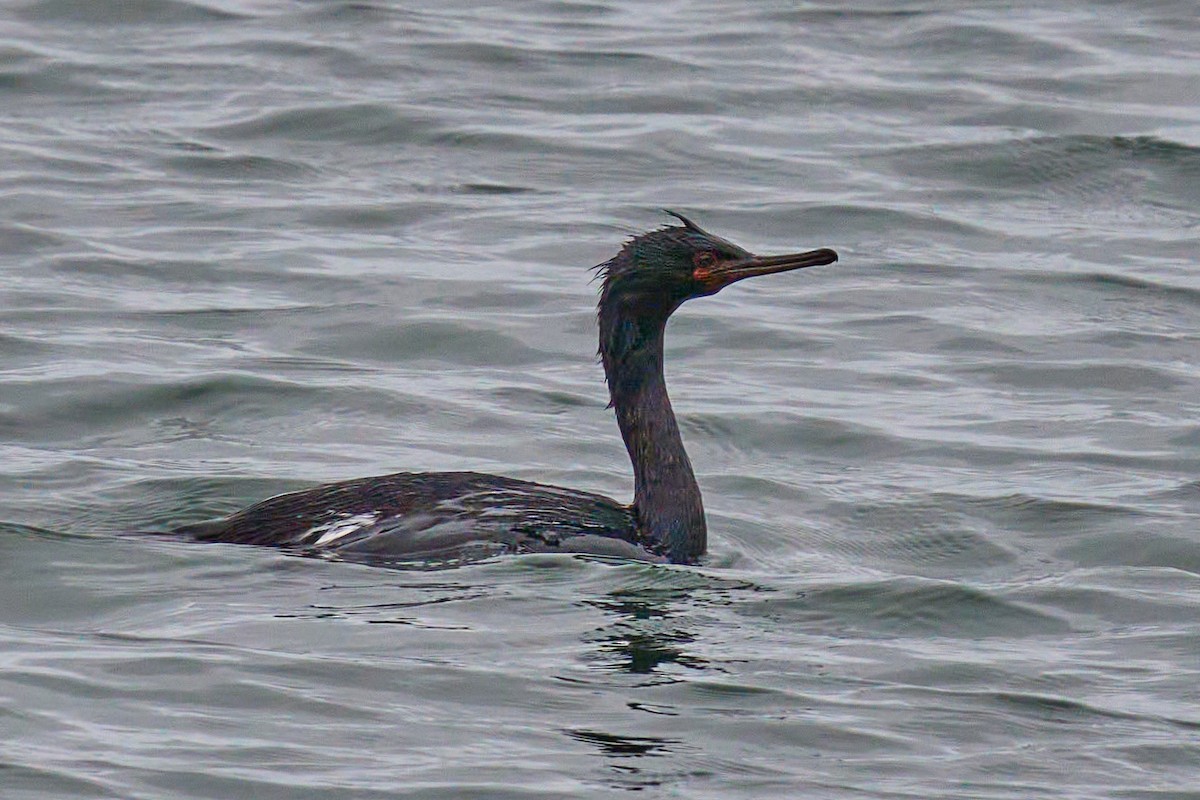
(953, 481)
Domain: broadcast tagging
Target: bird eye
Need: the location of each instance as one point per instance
(704, 259)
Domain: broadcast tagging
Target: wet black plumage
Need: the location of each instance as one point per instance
(462, 515)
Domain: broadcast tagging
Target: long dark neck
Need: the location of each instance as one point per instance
(666, 498)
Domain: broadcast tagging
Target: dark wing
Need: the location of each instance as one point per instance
(432, 516)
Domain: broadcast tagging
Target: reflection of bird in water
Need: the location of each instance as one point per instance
(452, 515)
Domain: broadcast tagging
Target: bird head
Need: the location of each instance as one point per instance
(656, 272)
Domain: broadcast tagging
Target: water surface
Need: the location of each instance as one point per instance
(953, 481)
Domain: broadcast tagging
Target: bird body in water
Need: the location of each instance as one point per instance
(440, 516)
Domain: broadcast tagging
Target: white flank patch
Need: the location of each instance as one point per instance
(332, 531)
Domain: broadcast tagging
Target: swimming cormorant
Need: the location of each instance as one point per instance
(440, 516)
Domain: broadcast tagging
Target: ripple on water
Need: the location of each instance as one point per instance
(359, 123)
(1137, 185)
(914, 607)
(133, 12)
(212, 164)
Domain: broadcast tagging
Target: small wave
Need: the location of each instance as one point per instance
(443, 341)
(128, 12)
(238, 167)
(1143, 288)
(915, 606)
(1052, 180)
(1093, 376)
(362, 123)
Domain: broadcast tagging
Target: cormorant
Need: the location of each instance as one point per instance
(443, 516)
